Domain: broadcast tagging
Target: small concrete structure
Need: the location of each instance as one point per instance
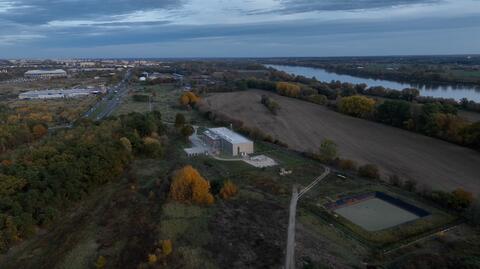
(260, 161)
(196, 151)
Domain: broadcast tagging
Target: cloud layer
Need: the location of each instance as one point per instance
(186, 28)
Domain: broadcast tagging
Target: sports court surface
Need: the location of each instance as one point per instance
(375, 214)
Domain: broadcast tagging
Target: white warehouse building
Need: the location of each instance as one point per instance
(225, 141)
(54, 94)
(57, 73)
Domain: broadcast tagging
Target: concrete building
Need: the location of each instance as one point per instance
(55, 94)
(225, 141)
(58, 73)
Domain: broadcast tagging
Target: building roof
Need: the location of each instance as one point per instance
(229, 135)
(44, 72)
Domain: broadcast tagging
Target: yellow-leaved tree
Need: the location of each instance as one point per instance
(188, 98)
(189, 186)
(228, 190)
(357, 106)
(167, 247)
(288, 89)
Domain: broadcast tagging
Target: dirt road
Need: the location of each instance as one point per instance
(303, 125)
(292, 213)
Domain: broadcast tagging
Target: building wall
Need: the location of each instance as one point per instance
(244, 148)
(237, 149)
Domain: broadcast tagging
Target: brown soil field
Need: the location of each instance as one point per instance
(304, 125)
(469, 115)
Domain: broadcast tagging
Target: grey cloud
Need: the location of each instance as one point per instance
(34, 12)
(292, 6)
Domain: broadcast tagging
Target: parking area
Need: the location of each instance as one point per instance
(260, 161)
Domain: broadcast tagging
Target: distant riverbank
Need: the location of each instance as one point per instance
(443, 91)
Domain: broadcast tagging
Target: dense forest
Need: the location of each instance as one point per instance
(38, 181)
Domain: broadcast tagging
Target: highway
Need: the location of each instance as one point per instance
(111, 100)
(296, 195)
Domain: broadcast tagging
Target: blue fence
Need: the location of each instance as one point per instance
(402, 204)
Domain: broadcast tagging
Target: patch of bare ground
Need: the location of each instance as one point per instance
(304, 125)
(249, 234)
(310, 247)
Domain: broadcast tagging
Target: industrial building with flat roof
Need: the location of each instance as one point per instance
(52, 94)
(57, 73)
(225, 141)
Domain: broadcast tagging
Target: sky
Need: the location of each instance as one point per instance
(236, 28)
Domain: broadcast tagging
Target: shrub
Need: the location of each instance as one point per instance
(152, 147)
(126, 144)
(167, 247)
(188, 98)
(179, 120)
(141, 98)
(473, 213)
(189, 186)
(152, 259)
(270, 104)
(39, 130)
(394, 113)
(187, 131)
(288, 89)
(347, 164)
(369, 171)
(327, 151)
(463, 198)
(317, 99)
(410, 185)
(395, 181)
(357, 106)
(228, 190)
(101, 262)
(458, 199)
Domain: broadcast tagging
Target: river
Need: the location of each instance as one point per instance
(444, 91)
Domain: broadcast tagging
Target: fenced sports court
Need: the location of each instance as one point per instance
(376, 211)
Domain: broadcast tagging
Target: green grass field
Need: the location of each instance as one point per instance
(164, 98)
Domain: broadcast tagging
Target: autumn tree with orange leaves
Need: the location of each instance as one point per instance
(188, 98)
(189, 186)
(39, 130)
(228, 190)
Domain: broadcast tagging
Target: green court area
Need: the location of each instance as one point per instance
(375, 214)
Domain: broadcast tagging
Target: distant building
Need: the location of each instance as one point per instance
(55, 94)
(225, 141)
(87, 64)
(58, 73)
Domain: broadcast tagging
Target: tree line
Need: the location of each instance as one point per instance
(433, 118)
